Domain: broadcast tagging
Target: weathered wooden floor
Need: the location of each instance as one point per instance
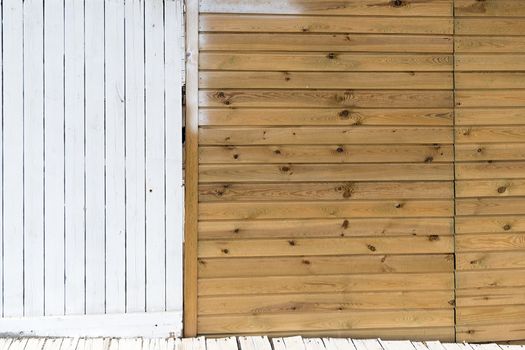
(233, 343)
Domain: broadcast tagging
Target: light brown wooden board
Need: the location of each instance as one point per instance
(490, 169)
(330, 135)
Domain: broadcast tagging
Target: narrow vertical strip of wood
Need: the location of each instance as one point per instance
(173, 148)
(94, 156)
(13, 157)
(114, 154)
(192, 168)
(155, 185)
(54, 156)
(454, 156)
(1, 164)
(135, 158)
(74, 160)
(33, 158)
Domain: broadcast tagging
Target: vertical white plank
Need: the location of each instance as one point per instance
(13, 157)
(94, 156)
(155, 185)
(1, 166)
(54, 156)
(115, 162)
(74, 156)
(173, 137)
(34, 157)
(135, 158)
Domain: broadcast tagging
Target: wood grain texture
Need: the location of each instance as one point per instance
(333, 154)
(330, 7)
(319, 303)
(345, 227)
(322, 265)
(327, 283)
(328, 80)
(489, 96)
(336, 172)
(335, 62)
(191, 170)
(356, 134)
(334, 116)
(331, 191)
(325, 42)
(326, 167)
(213, 22)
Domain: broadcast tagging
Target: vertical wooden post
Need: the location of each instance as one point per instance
(192, 168)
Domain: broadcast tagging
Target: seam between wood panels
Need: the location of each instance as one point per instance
(454, 159)
(191, 170)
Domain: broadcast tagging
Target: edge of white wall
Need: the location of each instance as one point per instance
(147, 325)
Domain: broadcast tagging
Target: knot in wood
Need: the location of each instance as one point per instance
(344, 114)
(397, 3)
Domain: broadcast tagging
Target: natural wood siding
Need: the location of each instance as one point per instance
(490, 169)
(326, 168)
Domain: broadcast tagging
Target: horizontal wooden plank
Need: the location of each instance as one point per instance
(357, 62)
(323, 24)
(496, 151)
(487, 134)
(420, 333)
(326, 80)
(489, 80)
(490, 98)
(491, 260)
(301, 303)
(320, 321)
(330, 284)
(490, 224)
(490, 296)
(326, 154)
(492, 44)
(489, 315)
(498, 8)
(334, 98)
(326, 228)
(325, 42)
(324, 265)
(488, 62)
(490, 333)
(333, 172)
(331, 7)
(490, 170)
(334, 246)
(325, 191)
(334, 209)
(492, 26)
(357, 134)
(490, 206)
(330, 116)
(490, 242)
(490, 279)
(490, 116)
(490, 188)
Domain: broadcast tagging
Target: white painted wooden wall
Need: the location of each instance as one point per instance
(91, 169)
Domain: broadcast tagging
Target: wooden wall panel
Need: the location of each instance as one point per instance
(326, 168)
(490, 169)
(90, 162)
